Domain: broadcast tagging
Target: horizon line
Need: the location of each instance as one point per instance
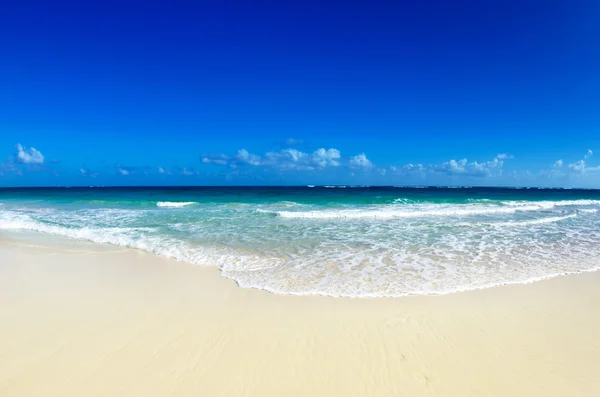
(297, 186)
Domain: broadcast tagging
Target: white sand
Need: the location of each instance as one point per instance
(87, 320)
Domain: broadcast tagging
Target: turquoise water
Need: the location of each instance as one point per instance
(338, 241)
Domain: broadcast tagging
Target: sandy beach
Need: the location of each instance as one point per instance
(80, 319)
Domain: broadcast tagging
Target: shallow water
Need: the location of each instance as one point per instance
(351, 241)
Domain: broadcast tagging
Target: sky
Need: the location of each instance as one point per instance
(494, 93)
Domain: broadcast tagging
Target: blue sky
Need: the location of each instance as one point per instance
(300, 92)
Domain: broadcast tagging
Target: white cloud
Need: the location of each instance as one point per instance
(323, 158)
(294, 154)
(283, 159)
(216, 161)
(361, 160)
(29, 156)
(164, 171)
(456, 167)
(471, 169)
(244, 157)
(186, 171)
(88, 173)
(558, 164)
(288, 159)
(578, 166)
(123, 171)
(453, 166)
(413, 167)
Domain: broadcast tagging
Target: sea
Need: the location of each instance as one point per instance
(342, 241)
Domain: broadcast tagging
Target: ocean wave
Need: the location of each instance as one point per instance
(412, 210)
(287, 204)
(539, 221)
(471, 244)
(402, 200)
(552, 204)
(140, 238)
(387, 293)
(173, 204)
(507, 224)
(392, 213)
(273, 275)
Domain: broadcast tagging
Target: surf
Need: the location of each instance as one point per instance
(174, 204)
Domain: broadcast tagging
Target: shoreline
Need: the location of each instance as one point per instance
(14, 238)
(98, 320)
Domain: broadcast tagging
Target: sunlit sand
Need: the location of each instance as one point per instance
(82, 319)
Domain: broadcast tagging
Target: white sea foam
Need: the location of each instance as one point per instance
(404, 212)
(425, 210)
(438, 248)
(287, 204)
(388, 293)
(508, 224)
(539, 221)
(135, 237)
(552, 204)
(403, 201)
(173, 204)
